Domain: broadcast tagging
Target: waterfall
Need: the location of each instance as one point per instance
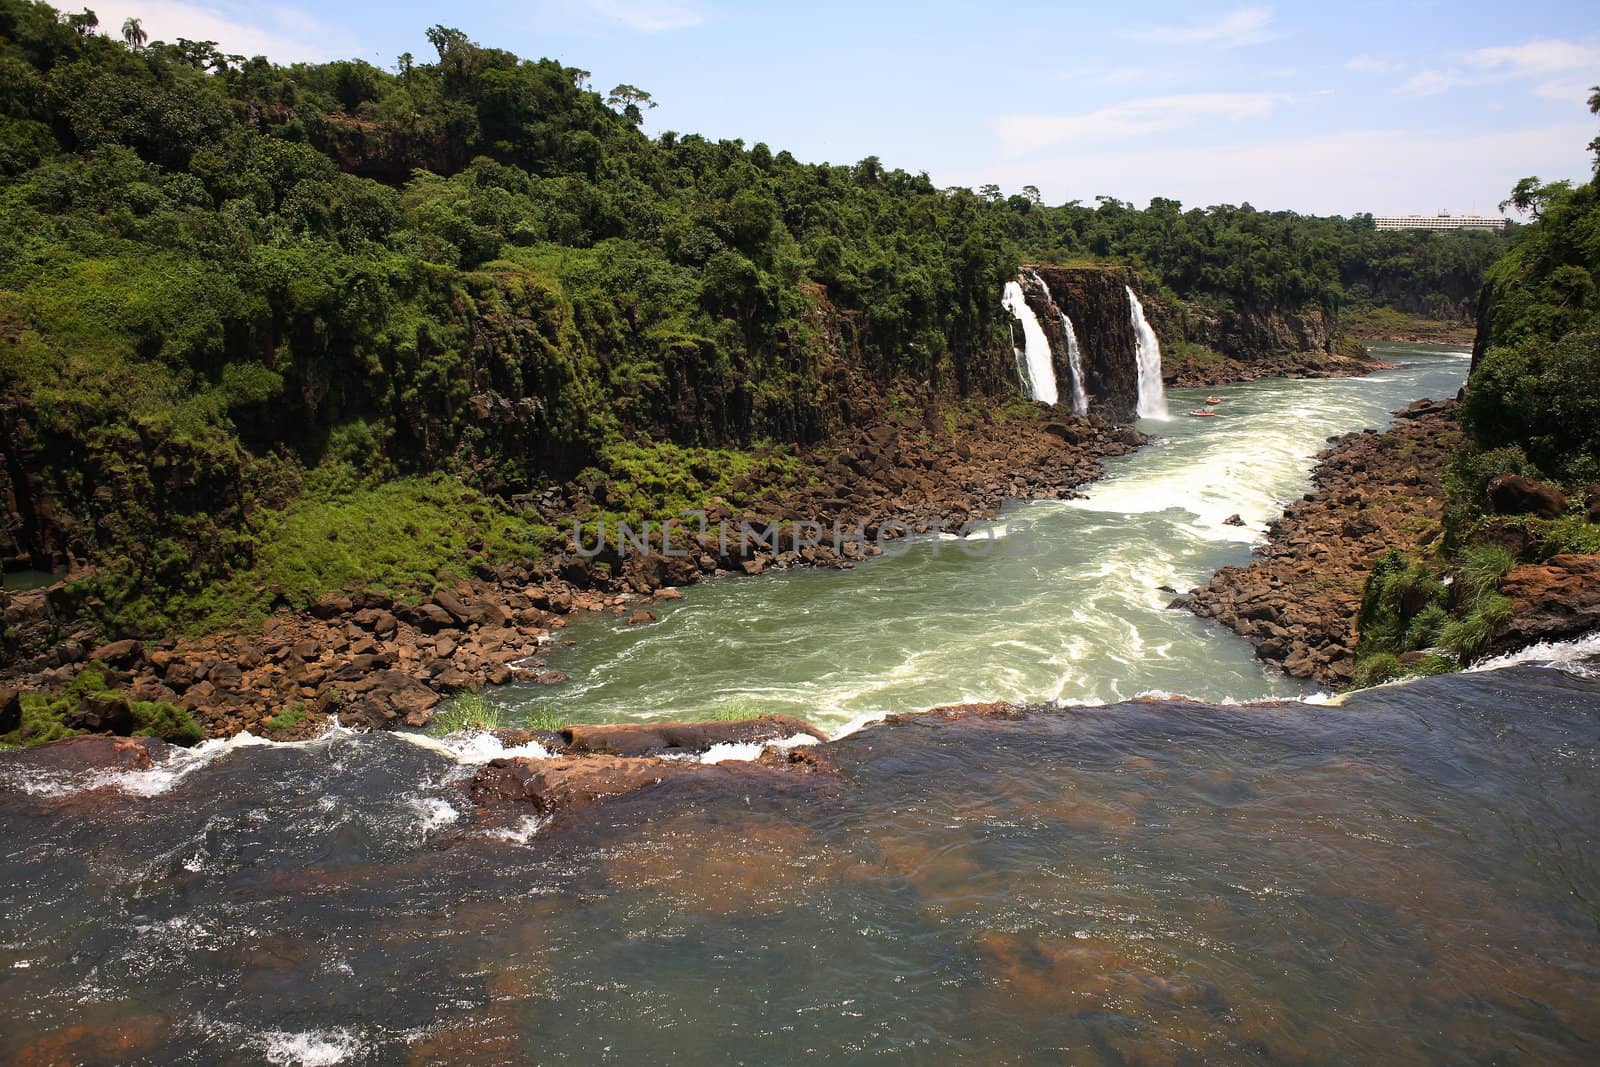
(1035, 353)
(1080, 399)
(1147, 349)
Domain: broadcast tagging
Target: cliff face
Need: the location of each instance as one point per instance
(1096, 300)
(1200, 345)
(1254, 335)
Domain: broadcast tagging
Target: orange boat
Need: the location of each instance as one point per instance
(1213, 400)
(1204, 413)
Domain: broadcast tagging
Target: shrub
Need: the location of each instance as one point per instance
(169, 722)
(289, 719)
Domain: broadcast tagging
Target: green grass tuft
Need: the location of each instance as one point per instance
(467, 712)
(289, 719)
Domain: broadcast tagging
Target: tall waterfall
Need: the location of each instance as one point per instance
(1035, 353)
(1147, 349)
(1080, 399)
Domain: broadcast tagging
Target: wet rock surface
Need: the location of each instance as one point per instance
(663, 738)
(1551, 601)
(1374, 491)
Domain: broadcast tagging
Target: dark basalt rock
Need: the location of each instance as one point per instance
(1096, 300)
(650, 739)
(1513, 494)
(10, 710)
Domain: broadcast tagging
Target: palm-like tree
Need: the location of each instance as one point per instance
(133, 34)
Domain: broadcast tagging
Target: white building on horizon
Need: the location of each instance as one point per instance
(1440, 221)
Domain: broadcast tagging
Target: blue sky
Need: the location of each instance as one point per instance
(1325, 108)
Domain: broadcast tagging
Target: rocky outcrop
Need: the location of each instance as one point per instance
(1550, 601)
(1513, 494)
(677, 738)
(1096, 299)
(1375, 491)
(604, 763)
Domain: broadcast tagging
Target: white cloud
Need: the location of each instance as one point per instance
(1553, 64)
(1572, 92)
(1538, 59)
(1365, 64)
(281, 33)
(1432, 82)
(1381, 171)
(1248, 25)
(1020, 134)
(648, 16)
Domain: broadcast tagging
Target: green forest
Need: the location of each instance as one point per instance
(243, 305)
(1531, 409)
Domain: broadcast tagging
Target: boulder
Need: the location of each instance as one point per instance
(640, 617)
(566, 785)
(1513, 494)
(411, 699)
(650, 739)
(452, 604)
(1550, 601)
(10, 710)
(125, 653)
(432, 618)
(329, 607)
(102, 713)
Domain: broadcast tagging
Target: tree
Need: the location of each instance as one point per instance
(83, 23)
(631, 100)
(133, 34)
(1530, 198)
(1032, 193)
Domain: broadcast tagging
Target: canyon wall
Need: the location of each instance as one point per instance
(1201, 345)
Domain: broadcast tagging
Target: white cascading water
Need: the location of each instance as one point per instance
(1080, 399)
(1041, 383)
(1147, 350)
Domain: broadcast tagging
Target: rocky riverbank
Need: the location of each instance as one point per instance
(1188, 371)
(1299, 599)
(379, 661)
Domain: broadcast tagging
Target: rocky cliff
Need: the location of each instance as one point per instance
(1096, 300)
(1201, 345)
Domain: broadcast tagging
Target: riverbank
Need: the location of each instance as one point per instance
(1212, 368)
(377, 661)
(1374, 492)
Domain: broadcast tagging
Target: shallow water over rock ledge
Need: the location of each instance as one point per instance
(1410, 877)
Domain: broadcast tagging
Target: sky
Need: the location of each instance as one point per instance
(1326, 108)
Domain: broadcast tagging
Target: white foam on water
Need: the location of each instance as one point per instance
(433, 813)
(309, 1048)
(742, 751)
(526, 829)
(1573, 656)
(474, 747)
(164, 773)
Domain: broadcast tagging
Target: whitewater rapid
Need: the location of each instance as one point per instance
(1061, 601)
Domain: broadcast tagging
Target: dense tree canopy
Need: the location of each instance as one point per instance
(218, 274)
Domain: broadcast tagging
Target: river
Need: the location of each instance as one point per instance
(1056, 601)
(1405, 876)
